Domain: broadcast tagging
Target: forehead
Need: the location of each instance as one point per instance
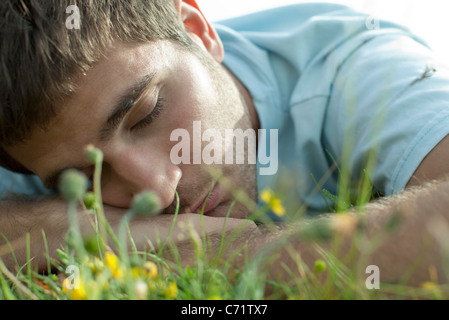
(125, 61)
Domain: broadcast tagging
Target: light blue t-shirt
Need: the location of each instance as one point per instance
(332, 85)
(12, 183)
(339, 86)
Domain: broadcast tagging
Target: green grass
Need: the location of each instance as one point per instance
(115, 273)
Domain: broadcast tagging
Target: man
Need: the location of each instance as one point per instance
(337, 92)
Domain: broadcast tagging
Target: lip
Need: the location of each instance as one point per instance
(212, 201)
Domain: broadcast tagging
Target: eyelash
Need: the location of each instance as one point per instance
(145, 122)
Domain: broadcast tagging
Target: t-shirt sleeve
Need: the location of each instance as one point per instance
(389, 100)
(19, 184)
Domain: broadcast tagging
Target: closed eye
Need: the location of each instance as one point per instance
(145, 122)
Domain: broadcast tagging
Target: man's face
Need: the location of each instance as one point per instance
(172, 88)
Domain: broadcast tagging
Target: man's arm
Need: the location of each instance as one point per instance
(421, 213)
(21, 215)
(32, 215)
(418, 242)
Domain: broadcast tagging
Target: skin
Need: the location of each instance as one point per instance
(191, 91)
(195, 90)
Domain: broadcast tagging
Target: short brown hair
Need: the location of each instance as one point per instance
(40, 58)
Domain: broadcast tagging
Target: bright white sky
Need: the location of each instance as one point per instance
(427, 18)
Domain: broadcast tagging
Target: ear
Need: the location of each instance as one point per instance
(199, 29)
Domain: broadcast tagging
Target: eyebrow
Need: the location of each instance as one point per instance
(124, 104)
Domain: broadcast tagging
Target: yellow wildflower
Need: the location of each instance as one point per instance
(266, 195)
(136, 272)
(273, 202)
(277, 207)
(76, 293)
(432, 288)
(150, 270)
(215, 298)
(172, 291)
(428, 285)
(65, 286)
(118, 273)
(112, 262)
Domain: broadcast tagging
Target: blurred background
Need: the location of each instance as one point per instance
(426, 18)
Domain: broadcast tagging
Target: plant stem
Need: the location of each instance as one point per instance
(16, 282)
(103, 226)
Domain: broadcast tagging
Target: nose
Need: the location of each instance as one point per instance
(128, 173)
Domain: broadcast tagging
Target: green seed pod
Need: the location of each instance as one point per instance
(93, 154)
(320, 266)
(73, 185)
(90, 200)
(91, 244)
(146, 204)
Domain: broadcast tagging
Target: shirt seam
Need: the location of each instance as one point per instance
(404, 161)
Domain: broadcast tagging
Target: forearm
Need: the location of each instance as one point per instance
(396, 234)
(33, 216)
(19, 217)
(422, 214)
(38, 217)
